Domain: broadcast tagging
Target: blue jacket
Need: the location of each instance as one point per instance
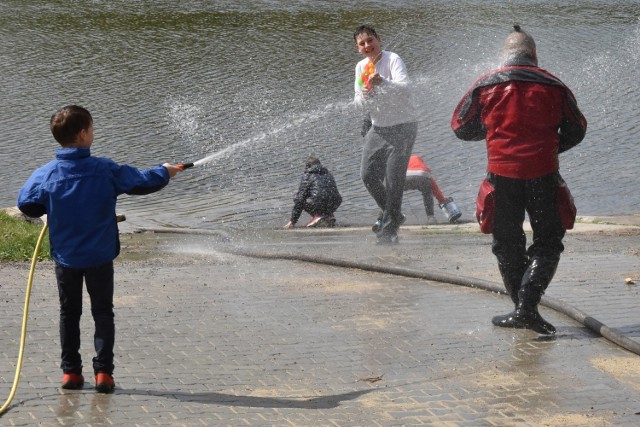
(78, 193)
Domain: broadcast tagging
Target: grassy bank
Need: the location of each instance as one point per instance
(19, 239)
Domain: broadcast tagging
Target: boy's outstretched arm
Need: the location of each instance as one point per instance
(133, 181)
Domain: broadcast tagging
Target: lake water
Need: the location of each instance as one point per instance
(260, 85)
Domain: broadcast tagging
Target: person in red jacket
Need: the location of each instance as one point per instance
(419, 177)
(527, 116)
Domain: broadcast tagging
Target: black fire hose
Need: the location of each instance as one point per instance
(579, 316)
(589, 322)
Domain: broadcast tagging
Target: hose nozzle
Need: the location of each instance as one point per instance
(183, 166)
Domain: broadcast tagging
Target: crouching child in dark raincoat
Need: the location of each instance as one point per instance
(317, 195)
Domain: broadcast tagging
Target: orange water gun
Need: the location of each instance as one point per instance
(369, 70)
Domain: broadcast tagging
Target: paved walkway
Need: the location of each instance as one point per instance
(208, 338)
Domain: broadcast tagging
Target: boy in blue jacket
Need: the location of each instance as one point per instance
(78, 192)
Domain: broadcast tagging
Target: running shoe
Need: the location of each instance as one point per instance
(72, 381)
(315, 221)
(104, 383)
(378, 224)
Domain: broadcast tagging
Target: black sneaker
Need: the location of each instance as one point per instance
(331, 221)
(377, 226)
(326, 221)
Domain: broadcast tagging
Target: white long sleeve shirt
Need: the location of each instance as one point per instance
(390, 102)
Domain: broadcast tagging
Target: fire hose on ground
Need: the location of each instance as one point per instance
(579, 316)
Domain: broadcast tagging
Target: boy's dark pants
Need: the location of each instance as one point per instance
(526, 273)
(321, 207)
(385, 156)
(99, 282)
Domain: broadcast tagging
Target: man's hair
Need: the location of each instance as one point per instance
(67, 122)
(311, 161)
(519, 42)
(364, 29)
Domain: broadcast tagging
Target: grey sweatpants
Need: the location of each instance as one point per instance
(385, 156)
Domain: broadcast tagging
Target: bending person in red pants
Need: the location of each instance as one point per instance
(419, 178)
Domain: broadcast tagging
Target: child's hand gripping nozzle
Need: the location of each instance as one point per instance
(363, 80)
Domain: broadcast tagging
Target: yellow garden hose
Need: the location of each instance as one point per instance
(25, 316)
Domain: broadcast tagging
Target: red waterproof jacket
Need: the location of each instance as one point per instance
(416, 165)
(527, 117)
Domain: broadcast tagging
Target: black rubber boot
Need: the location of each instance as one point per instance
(508, 320)
(521, 319)
(512, 272)
(534, 282)
(538, 324)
